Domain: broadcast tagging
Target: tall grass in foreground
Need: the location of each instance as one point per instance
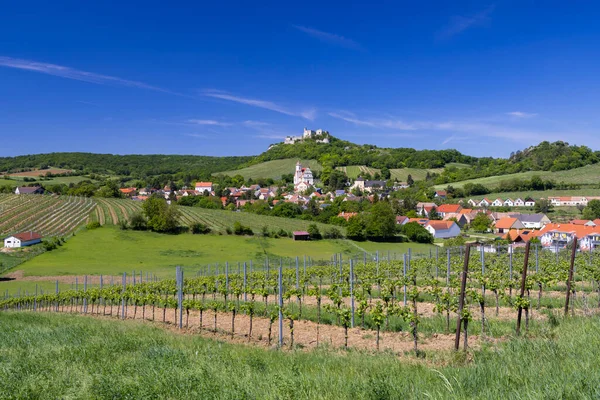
(64, 356)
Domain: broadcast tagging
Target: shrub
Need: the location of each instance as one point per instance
(333, 233)
(228, 230)
(93, 225)
(138, 222)
(239, 229)
(199, 229)
(123, 225)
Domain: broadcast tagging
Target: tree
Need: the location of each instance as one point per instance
(416, 233)
(313, 232)
(356, 228)
(160, 216)
(409, 180)
(481, 223)
(381, 221)
(592, 211)
(543, 206)
(433, 214)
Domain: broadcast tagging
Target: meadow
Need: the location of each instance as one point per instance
(67, 356)
(15, 181)
(111, 251)
(272, 169)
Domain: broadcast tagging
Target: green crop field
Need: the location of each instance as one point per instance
(354, 171)
(418, 174)
(272, 169)
(588, 175)
(111, 251)
(18, 181)
(70, 356)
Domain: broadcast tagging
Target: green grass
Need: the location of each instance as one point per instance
(65, 356)
(110, 251)
(418, 174)
(272, 169)
(587, 175)
(18, 181)
(354, 171)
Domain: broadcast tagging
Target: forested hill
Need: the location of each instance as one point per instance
(135, 166)
(545, 156)
(342, 153)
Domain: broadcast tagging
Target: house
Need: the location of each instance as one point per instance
(303, 175)
(401, 185)
(29, 190)
(203, 187)
(424, 209)
(509, 203)
(466, 211)
(339, 192)
(301, 187)
(519, 203)
(448, 209)
(529, 202)
(533, 221)
(558, 236)
(401, 220)
(22, 239)
(347, 215)
(129, 192)
(301, 235)
(584, 222)
(359, 183)
(443, 229)
(441, 194)
(485, 203)
(566, 201)
(420, 221)
(590, 242)
(473, 203)
(506, 224)
(370, 186)
(519, 236)
(498, 203)
(460, 219)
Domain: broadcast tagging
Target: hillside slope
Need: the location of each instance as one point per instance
(272, 169)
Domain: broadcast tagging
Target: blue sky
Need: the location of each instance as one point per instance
(229, 78)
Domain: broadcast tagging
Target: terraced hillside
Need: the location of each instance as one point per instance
(272, 169)
(47, 215)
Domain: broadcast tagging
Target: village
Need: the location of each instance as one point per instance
(441, 218)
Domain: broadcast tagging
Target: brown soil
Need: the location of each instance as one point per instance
(305, 332)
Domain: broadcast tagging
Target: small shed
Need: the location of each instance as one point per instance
(22, 240)
(301, 235)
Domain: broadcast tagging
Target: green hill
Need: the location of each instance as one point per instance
(272, 169)
(588, 175)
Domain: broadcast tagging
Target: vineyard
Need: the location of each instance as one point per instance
(47, 215)
(415, 304)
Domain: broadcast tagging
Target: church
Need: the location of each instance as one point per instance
(303, 178)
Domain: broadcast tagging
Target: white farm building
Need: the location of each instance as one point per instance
(22, 240)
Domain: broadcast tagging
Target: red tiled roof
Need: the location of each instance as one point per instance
(27, 236)
(203, 184)
(440, 225)
(449, 208)
(580, 221)
(580, 231)
(505, 223)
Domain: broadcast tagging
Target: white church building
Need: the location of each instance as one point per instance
(303, 178)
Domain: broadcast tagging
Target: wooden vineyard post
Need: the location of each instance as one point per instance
(352, 291)
(179, 280)
(522, 292)
(280, 303)
(57, 295)
(461, 298)
(404, 277)
(85, 305)
(570, 278)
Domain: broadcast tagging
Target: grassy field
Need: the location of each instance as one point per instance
(66, 356)
(417, 174)
(110, 251)
(587, 175)
(272, 169)
(354, 171)
(18, 181)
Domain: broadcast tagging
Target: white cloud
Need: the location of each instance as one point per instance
(255, 124)
(268, 105)
(460, 24)
(75, 74)
(210, 122)
(330, 38)
(521, 114)
(373, 123)
(197, 135)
